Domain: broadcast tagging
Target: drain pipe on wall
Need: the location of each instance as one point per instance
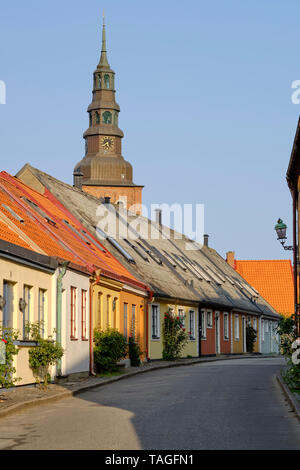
(93, 283)
(61, 274)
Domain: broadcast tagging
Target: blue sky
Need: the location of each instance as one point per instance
(205, 95)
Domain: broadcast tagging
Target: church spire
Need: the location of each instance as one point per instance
(103, 171)
(103, 59)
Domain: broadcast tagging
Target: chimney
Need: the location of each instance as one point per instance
(230, 258)
(77, 179)
(205, 240)
(158, 216)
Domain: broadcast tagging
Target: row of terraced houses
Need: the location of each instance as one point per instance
(57, 266)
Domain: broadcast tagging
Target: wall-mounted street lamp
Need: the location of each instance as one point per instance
(280, 228)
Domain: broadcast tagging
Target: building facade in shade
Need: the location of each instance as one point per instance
(103, 172)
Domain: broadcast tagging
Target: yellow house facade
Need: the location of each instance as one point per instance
(239, 322)
(26, 278)
(189, 315)
(119, 305)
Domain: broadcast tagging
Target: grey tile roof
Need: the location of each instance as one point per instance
(201, 275)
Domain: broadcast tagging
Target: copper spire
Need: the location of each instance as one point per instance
(103, 59)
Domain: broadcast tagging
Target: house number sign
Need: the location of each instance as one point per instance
(2, 352)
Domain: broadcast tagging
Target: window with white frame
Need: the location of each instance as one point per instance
(8, 310)
(83, 314)
(266, 326)
(133, 320)
(192, 328)
(125, 321)
(226, 325)
(203, 324)
(209, 314)
(155, 330)
(41, 311)
(237, 327)
(27, 310)
(263, 330)
(249, 321)
(181, 315)
(73, 312)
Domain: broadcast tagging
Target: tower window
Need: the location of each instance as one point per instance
(115, 119)
(99, 81)
(91, 119)
(107, 117)
(106, 81)
(97, 118)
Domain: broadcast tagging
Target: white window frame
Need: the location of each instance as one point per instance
(267, 326)
(125, 320)
(209, 314)
(73, 312)
(263, 330)
(226, 322)
(182, 317)
(8, 311)
(203, 324)
(236, 329)
(42, 310)
(27, 296)
(133, 320)
(192, 323)
(157, 336)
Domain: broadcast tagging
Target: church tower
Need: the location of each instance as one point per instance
(103, 172)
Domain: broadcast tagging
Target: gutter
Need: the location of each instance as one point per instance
(61, 274)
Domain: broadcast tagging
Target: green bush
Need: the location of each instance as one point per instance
(250, 338)
(109, 348)
(287, 331)
(134, 352)
(8, 336)
(46, 353)
(174, 337)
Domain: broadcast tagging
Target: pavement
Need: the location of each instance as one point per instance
(22, 398)
(214, 405)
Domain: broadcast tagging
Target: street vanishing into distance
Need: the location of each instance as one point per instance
(230, 404)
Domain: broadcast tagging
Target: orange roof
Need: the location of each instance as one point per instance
(52, 228)
(273, 279)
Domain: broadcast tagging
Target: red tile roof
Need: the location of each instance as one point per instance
(274, 281)
(44, 223)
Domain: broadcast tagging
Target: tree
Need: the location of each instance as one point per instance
(174, 337)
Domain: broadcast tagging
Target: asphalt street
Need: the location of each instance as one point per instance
(234, 404)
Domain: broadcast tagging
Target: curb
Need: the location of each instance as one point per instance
(19, 407)
(289, 396)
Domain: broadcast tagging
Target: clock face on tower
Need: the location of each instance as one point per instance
(107, 143)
